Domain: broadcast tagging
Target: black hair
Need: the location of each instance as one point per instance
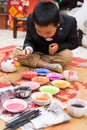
(46, 13)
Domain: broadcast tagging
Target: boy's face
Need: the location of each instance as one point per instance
(46, 31)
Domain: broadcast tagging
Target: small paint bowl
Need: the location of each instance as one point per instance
(29, 74)
(22, 91)
(15, 105)
(41, 80)
(61, 84)
(42, 71)
(33, 85)
(49, 89)
(54, 76)
(77, 107)
(41, 98)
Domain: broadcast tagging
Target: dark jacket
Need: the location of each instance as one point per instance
(69, 4)
(66, 35)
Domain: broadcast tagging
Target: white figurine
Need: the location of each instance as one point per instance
(70, 75)
(9, 64)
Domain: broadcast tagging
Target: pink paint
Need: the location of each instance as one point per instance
(31, 84)
(15, 106)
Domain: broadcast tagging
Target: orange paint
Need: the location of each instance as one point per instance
(61, 84)
(43, 97)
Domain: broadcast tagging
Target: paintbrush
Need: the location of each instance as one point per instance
(21, 123)
(27, 59)
(23, 113)
(25, 121)
(12, 83)
(22, 119)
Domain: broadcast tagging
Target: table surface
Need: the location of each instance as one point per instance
(73, 124)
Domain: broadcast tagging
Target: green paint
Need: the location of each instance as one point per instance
(49, 90)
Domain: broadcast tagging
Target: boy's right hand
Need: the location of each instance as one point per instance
(26, 52)
(53, 48)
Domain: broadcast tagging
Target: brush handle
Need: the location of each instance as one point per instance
(22, 119)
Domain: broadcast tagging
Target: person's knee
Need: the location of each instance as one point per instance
(33, 60)
(68, 57)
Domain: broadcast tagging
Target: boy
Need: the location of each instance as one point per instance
(49, 39)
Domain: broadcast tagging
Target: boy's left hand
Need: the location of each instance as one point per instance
(53, 48)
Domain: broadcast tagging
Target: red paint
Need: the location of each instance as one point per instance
(71, 73)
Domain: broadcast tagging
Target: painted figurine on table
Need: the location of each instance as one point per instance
(9, 64)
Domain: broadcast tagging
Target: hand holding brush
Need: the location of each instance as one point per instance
(26, 53)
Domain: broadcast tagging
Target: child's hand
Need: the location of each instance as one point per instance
(53, 48)
(26, 52)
